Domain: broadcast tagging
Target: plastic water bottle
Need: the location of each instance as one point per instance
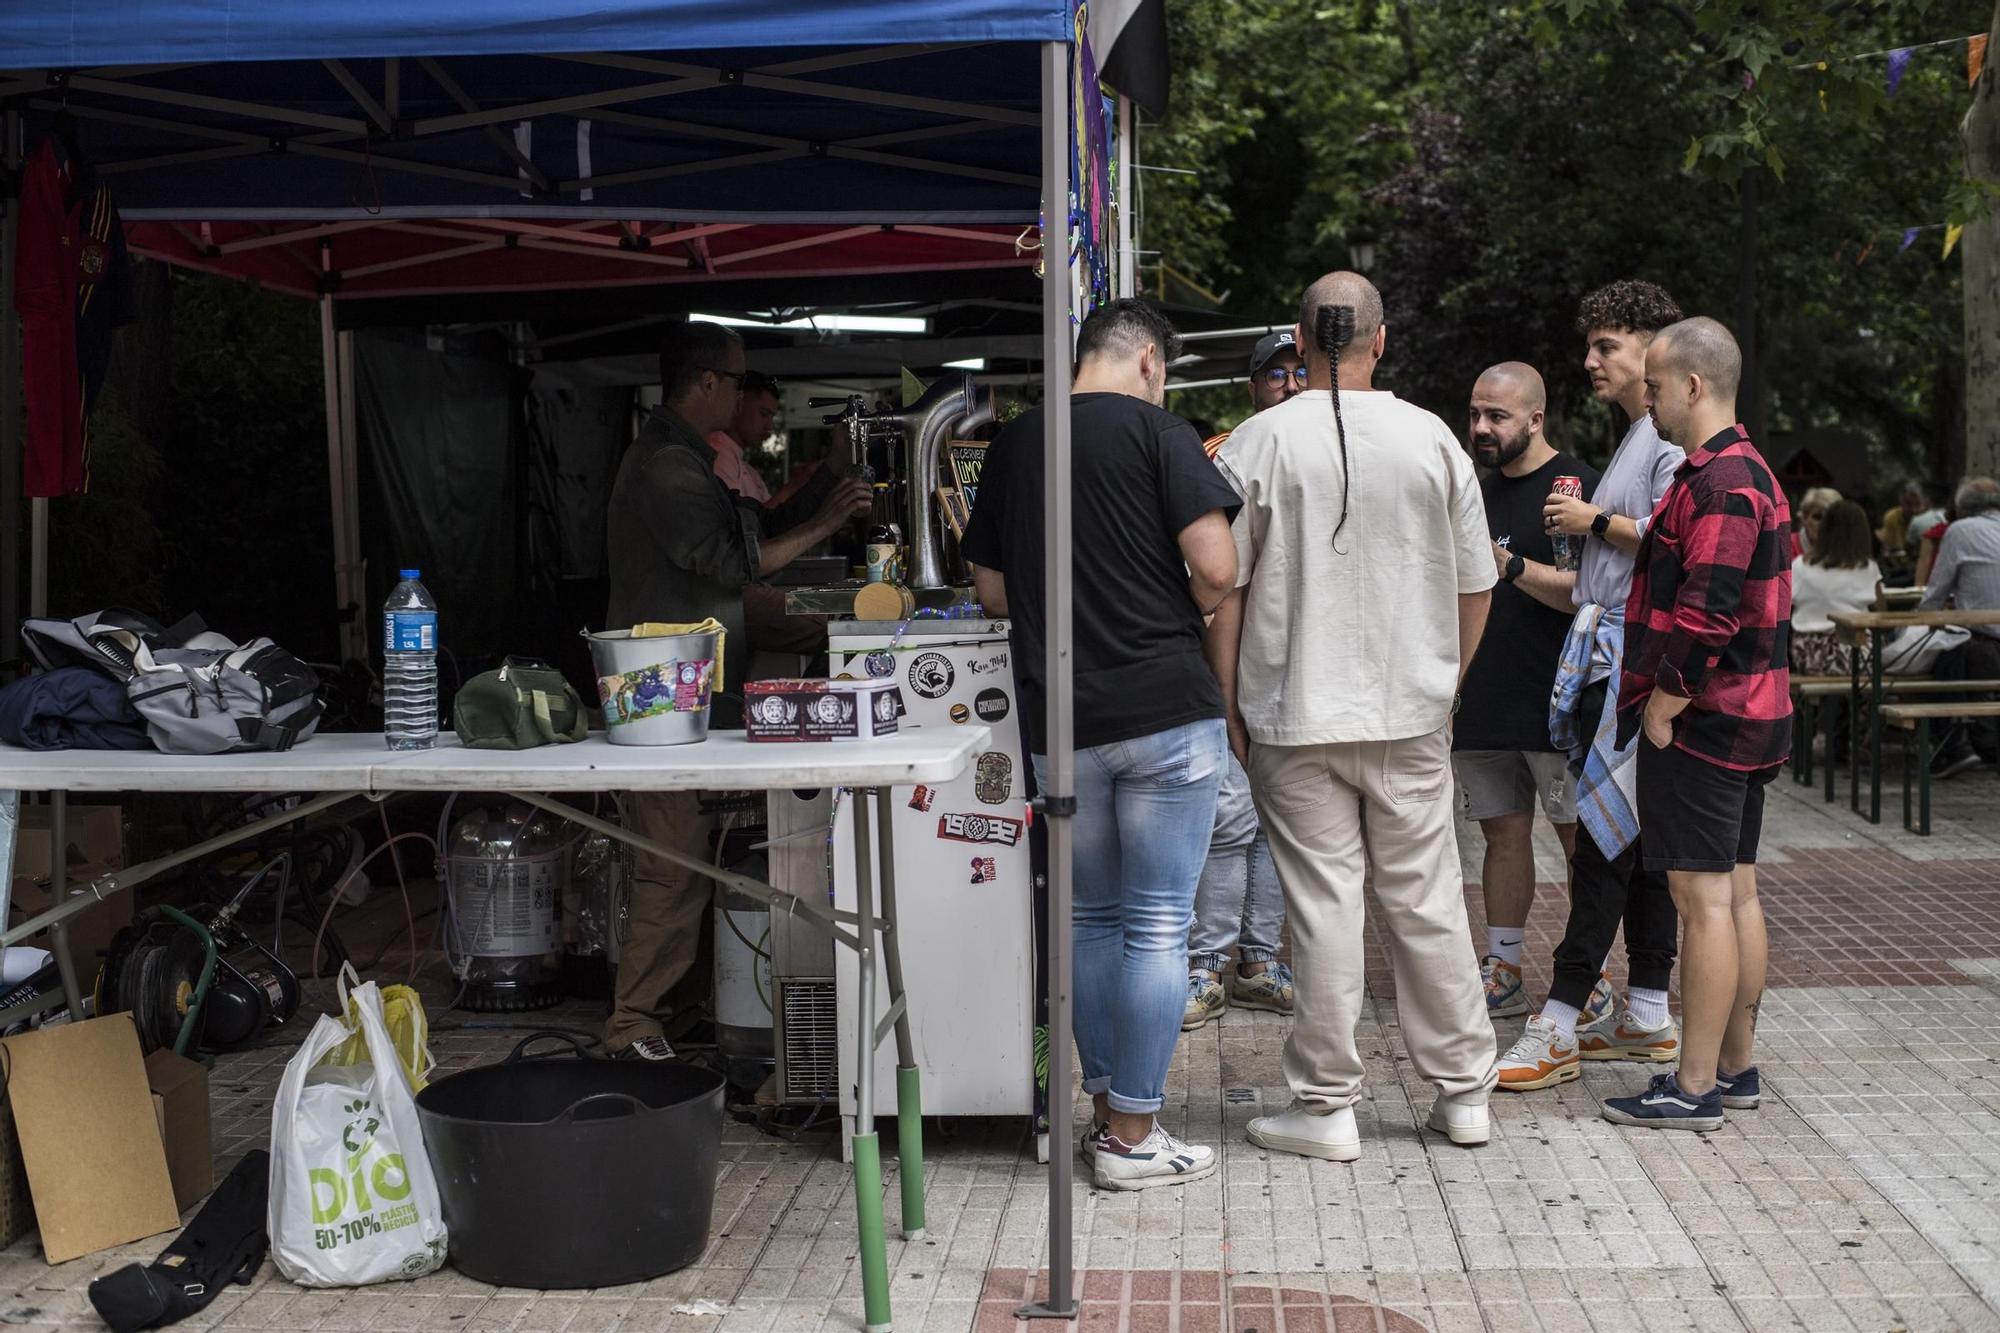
(409, 666)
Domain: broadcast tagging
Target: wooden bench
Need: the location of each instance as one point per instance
(1809, 694)
(1918, 718)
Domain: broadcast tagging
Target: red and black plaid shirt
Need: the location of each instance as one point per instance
(1710, 617)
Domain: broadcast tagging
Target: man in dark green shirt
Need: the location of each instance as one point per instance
(683, 550)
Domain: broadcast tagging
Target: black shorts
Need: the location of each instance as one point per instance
(1694, 815)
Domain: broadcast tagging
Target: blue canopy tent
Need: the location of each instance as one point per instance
(564, 112)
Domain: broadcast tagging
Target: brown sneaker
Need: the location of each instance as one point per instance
(1270, 990)
(1539, 1059)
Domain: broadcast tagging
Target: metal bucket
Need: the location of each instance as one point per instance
(654, 690)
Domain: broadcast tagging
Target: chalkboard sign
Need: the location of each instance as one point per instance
(968, 457)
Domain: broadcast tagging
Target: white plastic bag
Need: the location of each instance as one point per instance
(353, 1200)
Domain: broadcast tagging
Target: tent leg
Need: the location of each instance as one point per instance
(38, 557)
(1059, 792)
(1128, 145)
(329, 351)
(10, 402)
(355, 643)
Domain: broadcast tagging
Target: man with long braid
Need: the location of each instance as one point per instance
(1364, 573)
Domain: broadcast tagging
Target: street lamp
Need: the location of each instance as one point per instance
(1361, 252)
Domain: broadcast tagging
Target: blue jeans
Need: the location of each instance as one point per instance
(1144, 809)
(1240, 904)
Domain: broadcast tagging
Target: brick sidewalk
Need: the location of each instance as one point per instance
(1864, 1194)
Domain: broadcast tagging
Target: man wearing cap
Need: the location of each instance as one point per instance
(1239, 904)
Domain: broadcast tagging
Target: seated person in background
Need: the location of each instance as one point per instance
(1812, 512)
(1897, 535)
(1837, 575)
(1929, 527)
(756, 412)
(1967, 578)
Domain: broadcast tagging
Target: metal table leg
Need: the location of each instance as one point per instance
(58, 895)
(867, 1148)
(1828, 714)
(909, 1090)
(1854, 729)
(1875, 726)
(1923, 778)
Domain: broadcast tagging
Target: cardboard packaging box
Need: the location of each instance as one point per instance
(96, 837)
(180, 1105)
(90, 1141)
(820, 710)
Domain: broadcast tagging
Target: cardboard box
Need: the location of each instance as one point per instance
(820, 710)
(96, 838)
(180, 1104)
(97, 1170)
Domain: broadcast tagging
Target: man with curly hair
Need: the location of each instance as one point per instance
(1608, 879)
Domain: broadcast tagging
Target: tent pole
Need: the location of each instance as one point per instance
(329, 355)
(1059, 792)
(38, 557)
(1128, 145)
(10, 401)
(355, 638)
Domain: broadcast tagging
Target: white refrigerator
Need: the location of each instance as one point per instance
(964, 915)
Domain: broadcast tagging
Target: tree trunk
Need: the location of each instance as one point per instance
(1979, 251)
(1750, 393)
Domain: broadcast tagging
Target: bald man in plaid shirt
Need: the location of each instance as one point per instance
(1707, 635)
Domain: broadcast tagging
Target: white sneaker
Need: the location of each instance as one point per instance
(1331, 1137)
(1159, 1159)
(1464, 1123)
(1088, 1144)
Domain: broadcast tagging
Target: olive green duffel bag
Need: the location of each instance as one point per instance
(524, 704)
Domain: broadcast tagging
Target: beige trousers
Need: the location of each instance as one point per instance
(1338, 816)
(667, 912)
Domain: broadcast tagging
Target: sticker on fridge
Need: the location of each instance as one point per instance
(931, 675)
(979, 828)
(993, 778)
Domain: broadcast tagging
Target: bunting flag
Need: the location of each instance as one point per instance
(1909, 238)
(1975, 57)
(1899, 60)
(1951, 235)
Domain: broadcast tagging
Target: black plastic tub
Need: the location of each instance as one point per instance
(574, 1172)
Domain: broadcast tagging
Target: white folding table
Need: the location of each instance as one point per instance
(341, 768)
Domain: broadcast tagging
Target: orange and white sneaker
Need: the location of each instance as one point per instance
(1540, 1059)
(1620, 1036)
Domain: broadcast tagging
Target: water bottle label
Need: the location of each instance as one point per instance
(409, 631)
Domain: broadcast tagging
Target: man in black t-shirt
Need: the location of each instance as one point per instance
(1501, 751)
(1152, 554)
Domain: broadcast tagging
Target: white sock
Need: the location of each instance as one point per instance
(1648, 1006)
(1563, 1016)
(1501, 946)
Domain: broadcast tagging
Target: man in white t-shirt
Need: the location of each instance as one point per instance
(1364, 576)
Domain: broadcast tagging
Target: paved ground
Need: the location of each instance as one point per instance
(1863, 1195)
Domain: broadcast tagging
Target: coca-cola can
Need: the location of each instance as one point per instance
(1568, 550)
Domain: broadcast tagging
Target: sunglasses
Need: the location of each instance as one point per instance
(1277, 375)
(738, 375)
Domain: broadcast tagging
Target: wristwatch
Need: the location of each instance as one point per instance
(1601, 524)
(1514, 567)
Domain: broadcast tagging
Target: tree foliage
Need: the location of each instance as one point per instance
(1508, 158)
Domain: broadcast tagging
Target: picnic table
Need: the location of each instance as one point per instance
(1875, 625)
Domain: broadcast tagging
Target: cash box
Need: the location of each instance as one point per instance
(820, 710)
